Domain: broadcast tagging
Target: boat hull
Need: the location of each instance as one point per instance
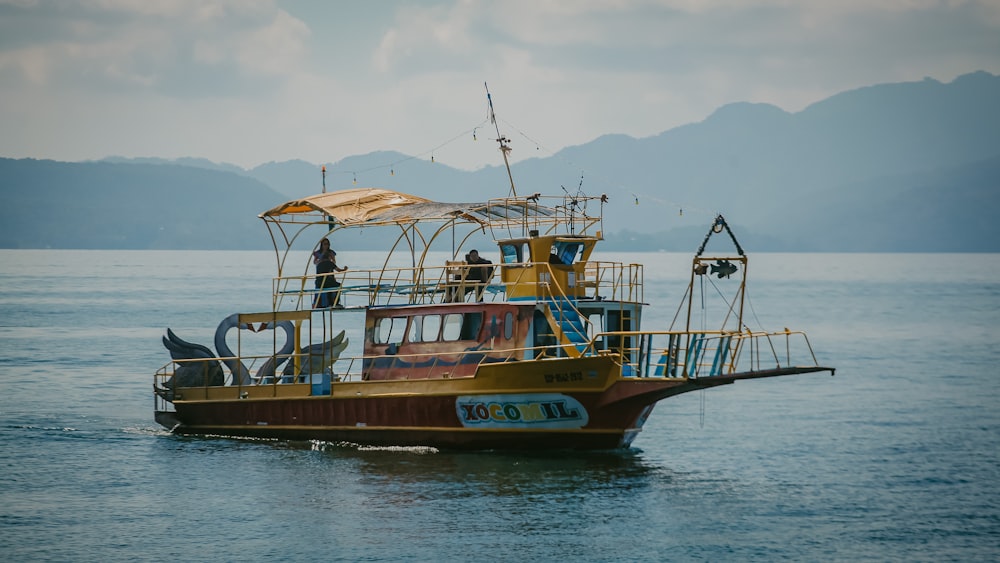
(573, 404)
(565, 403)
(440, 438)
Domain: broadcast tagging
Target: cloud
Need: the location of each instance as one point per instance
(441, 33)
(114, 44)
(248, 81)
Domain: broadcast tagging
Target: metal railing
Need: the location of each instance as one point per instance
(440, 284)
(640, 354)
(699, 354)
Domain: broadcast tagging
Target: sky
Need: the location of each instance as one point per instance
(248, 82)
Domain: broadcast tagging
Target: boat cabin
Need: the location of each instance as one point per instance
(543, 303)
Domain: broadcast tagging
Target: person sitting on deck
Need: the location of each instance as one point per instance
(325, 260)
(479, 274)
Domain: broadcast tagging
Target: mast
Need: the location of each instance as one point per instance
(504, 147)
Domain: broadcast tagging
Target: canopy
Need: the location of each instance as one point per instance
(347, 206)
(379, 206)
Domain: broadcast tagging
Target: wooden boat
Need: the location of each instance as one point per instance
(544, 349)
(543, 354)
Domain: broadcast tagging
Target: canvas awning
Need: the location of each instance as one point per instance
(380, 206)
(347, 206)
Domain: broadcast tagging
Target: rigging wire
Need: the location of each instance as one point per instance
(503, 141)
(633, 194)
(638, 197)
(704, 310)
(701, 411)
(704, 324)
(393, 165)
(730, 303)
(753, 312)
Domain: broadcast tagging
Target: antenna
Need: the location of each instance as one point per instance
(329, 218)
(504, 147)
(573, 203)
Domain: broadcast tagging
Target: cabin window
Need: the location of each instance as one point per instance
(511, 253)
(508, 325)
(389, 329)
(419, 330)
(567, 251)
(432, 327)
(452, 327)
(471, 324)
(413, 334)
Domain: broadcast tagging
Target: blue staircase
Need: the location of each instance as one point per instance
(570, 326)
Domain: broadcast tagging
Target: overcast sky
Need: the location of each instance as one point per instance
(249, 82)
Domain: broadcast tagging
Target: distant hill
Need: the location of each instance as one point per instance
(908, 167)
(186, 161)
(48, 204)
(297, 178)
(753, 162)
(944, 210)
(292, 179)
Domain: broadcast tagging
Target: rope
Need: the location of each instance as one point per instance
(752, 312)
(701, 411)
(635, 195)
(392, 165)
(611, 186)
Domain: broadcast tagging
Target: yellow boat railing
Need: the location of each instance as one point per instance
(640, 354)
(448, 283)
(703, 353)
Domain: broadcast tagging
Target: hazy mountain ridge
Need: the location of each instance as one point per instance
(938, 211)
(893, 167)
(48, 204)
(751, 161)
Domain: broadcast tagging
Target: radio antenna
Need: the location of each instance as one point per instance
(504, 146)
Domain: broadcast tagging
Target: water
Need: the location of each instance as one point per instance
(895, 458)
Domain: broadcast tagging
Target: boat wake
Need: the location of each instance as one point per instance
(322, 446)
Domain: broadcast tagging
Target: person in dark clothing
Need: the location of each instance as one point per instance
(480, 273)
(325, 260)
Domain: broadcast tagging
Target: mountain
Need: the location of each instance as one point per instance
(186, 161)
(749, 161)
(298, 178)
(943, 210)
(292, 179)
(901, 167)
(47, 204)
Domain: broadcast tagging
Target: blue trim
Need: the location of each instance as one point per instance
(694, 354)
(720, 355)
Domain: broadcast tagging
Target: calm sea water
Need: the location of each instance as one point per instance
(897, 457)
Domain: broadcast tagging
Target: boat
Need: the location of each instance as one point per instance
(541, 348)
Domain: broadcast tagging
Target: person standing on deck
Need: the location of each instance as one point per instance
(325, 259)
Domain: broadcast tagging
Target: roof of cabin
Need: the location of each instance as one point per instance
(368, 206)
